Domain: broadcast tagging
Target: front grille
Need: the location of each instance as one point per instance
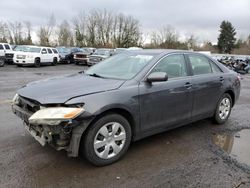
(9, 55)
(80, 56)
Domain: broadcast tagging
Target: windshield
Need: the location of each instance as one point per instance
(101, 52)
(28, 49)
(121, 66)
(63, 50)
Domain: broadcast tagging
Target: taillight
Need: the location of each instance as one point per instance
(239, 77)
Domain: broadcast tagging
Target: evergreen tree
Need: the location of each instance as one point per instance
(226, 40)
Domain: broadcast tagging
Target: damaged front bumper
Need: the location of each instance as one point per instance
(63, 135)
(56, 135)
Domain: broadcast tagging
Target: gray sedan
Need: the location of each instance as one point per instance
(125, 98)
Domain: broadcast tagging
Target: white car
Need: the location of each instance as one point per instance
(5, 48)
(35, 55)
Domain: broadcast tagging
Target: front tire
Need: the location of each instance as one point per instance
(2, 63)
(223, 109)
(37, 63)
(107, 140)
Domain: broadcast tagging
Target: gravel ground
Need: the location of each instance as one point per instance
(184, 157)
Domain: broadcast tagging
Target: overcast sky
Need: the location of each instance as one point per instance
(199, 17)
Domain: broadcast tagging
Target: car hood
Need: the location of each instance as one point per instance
(61, 89)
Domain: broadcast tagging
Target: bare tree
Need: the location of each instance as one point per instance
(64, 34)
(126, 31)
(27, 31)
(45, 32)
(80, 27)
(4, 32)
(16, 32)
(167, 37)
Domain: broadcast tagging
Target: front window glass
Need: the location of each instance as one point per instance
(173, 65)
(7, 47)
(1, 47)
(121, 66)
(44, 51)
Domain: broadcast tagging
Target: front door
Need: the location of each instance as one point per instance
(166, 103)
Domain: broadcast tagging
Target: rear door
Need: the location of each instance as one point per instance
(44, 56)
(50, 55)
(163, 104)
(207, 81)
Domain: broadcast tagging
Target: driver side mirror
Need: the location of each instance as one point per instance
(157, 77)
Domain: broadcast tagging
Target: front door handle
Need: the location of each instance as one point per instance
(188, 85)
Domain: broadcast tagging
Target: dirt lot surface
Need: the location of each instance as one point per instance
(184, 157)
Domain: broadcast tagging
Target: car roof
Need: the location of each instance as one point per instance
(156, 52)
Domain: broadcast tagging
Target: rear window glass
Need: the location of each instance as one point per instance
(200, 64)
(49, 50)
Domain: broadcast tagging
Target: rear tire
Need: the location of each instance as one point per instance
(223, 109)
(107, 140)
(54, 63)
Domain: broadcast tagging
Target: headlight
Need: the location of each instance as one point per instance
(55, 115)
(15, 99)
(29, 56)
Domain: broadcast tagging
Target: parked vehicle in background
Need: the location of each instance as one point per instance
(6, 53)
(82, 57)
(125, 98)
(35, 55)
(120, 50)
(2, 55)
(66, 54)
(89, 50)
(99, 55)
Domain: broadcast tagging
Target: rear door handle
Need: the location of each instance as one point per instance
(188, 85)
(222, 79)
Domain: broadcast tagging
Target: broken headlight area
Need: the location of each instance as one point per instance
(54, 125)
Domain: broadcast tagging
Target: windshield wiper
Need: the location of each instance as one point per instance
(96, 75)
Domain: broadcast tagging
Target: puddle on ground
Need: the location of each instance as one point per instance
(237, 145)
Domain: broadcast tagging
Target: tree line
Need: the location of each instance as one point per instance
(102, 28)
